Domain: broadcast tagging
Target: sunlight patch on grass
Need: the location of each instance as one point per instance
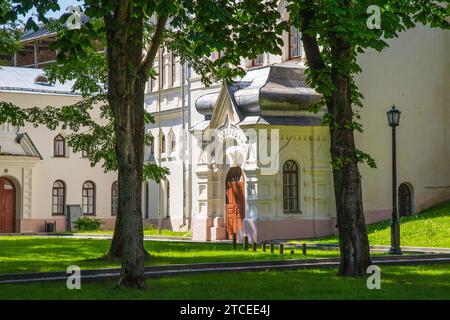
(40, 254)
(430, 228)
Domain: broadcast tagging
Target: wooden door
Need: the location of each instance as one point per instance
(235, 201)
(7, 206)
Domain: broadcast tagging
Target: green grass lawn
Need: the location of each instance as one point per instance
(406, 282)
(147, 232)
(430, 228)
(39, 254)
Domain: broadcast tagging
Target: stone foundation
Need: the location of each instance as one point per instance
(38, 225)
(259, 230)
(201, 228)
(211, 229)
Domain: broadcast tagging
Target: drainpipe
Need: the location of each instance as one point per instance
(183, 129)
(313, 182)
(186, 143)
(158, 102)
(189, 184)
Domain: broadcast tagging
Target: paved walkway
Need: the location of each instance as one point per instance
(183, 269)
(94, 236)
(379, 248)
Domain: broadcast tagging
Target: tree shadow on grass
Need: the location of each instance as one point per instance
(33, 254)
(426, 282)
(397, 283)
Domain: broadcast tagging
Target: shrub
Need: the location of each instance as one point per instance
(149, 226)
(88, 224)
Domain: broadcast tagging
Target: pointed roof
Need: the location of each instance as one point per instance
(229, 111)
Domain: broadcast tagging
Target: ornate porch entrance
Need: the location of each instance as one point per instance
(235, 201)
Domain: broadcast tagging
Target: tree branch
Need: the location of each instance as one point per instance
(154, 45)
(310, 43)
(312, 52)
(314, 57)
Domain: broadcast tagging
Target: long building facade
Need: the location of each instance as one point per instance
(247, 158)
(216, 196)
(39, 173)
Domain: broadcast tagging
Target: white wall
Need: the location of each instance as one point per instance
(413, 74)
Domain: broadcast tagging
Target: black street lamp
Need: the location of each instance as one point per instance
(393, 116)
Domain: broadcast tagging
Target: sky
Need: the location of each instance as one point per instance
(63, 5)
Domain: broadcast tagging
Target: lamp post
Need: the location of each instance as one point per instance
(393, 116)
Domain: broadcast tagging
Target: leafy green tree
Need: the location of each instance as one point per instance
(133, 32)
(10, 30)
(90, 74)
(333, 34)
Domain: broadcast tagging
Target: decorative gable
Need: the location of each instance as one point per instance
(17, 144)
(225, 111)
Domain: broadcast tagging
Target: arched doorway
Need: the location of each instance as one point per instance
(7, 206)
(404, 200)
(235, 201)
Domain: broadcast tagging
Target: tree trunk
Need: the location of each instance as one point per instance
(116, 250)
(126, 87)
(353, 240)
(130, 182)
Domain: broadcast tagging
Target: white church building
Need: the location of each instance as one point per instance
(252, 160)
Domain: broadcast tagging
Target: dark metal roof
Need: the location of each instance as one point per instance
(286, 90)
(30, 34)
(206, 103)
(287, 120)
(291, 120)
(42, 31)
(272, 90)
